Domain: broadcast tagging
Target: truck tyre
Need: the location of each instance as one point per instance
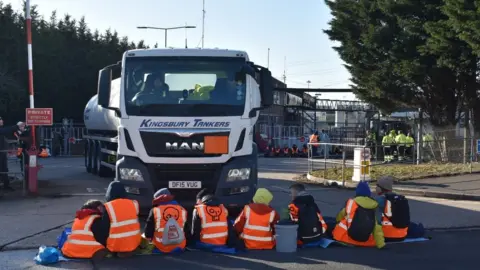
(88, 156)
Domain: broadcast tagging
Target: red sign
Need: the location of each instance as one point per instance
(71, 140)
(39, 116)
(302, 139)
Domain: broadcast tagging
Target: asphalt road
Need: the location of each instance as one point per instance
(447, 250)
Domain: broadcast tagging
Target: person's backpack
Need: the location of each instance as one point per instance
(400, 211)
(309, 226)
(362, 224)
(173, 233)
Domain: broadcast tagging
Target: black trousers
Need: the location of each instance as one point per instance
(4, 169)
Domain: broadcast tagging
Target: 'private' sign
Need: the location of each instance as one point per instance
(39, 116)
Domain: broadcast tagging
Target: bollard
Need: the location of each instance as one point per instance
(33, 169)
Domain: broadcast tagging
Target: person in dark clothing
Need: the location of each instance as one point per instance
(4, 133)
(305, 212)
(94, 207)
(72, 249)
(164, 207)
(116, 190)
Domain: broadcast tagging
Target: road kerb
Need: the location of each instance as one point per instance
(403, 191)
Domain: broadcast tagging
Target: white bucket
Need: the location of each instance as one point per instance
(286, 237)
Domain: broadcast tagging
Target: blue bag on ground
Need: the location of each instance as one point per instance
(47, 255)
(62, 238)
(216, 248)
(174, 251)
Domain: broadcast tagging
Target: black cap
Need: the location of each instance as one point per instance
(202, 193)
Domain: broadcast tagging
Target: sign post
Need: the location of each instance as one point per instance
(361, 164)
(36, 117)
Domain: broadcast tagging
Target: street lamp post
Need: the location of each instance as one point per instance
(166, 29)
(315, 117)
(308, 83)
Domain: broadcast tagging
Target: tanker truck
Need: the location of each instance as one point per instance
(181, 119)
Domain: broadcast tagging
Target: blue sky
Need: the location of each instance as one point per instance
(291, 31)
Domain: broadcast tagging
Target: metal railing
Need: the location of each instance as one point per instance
(60, 140)
(334, 161)
(14, 164)
(320, 158)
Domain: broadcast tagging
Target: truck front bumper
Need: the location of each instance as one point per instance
(232, 194)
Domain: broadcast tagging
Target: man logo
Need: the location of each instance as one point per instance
(184, 146)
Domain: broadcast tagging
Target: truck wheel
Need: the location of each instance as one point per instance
(88, 156)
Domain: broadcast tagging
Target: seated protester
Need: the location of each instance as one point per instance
(255, 224)
(294, 150)
(278, 151)
(394, 213)
(269, 151)
(210, 224)
(305, 151)
(121, 221)
(286, 151)
(87, 238)
(357, 224)
(304, 211)
(165, 208)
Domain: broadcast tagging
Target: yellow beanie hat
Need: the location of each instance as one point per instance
(263, 196)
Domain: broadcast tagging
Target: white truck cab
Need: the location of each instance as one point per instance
(184, 120)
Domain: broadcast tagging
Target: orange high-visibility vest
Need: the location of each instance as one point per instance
(340, 233)
(313, 138)
(124, 235)
(305, 150)
(257, 232)
(43, 153)
(277, 150)
(294, 216)
(389, 231)
(294, 150)
(81, 243)
(214, 224)
(161, 215)
(285, 150)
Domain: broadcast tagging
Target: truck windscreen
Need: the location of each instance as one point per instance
(184, 86)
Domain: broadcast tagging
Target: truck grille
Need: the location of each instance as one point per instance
(207, 173)
(156, 144)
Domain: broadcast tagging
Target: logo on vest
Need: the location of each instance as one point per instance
(214, 212)
(171, 212)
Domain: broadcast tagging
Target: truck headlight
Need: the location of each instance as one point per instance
(238, 174)
(131, 174)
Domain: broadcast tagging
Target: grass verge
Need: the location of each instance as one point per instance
(402, 172)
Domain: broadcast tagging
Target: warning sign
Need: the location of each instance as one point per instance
(39, 116)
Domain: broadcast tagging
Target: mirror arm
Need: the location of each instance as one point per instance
(253, 112)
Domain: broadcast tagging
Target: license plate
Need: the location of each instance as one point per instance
(185, 184)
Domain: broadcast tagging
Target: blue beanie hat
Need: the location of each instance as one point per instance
(363, 189)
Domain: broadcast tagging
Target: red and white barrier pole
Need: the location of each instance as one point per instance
(32, 153)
